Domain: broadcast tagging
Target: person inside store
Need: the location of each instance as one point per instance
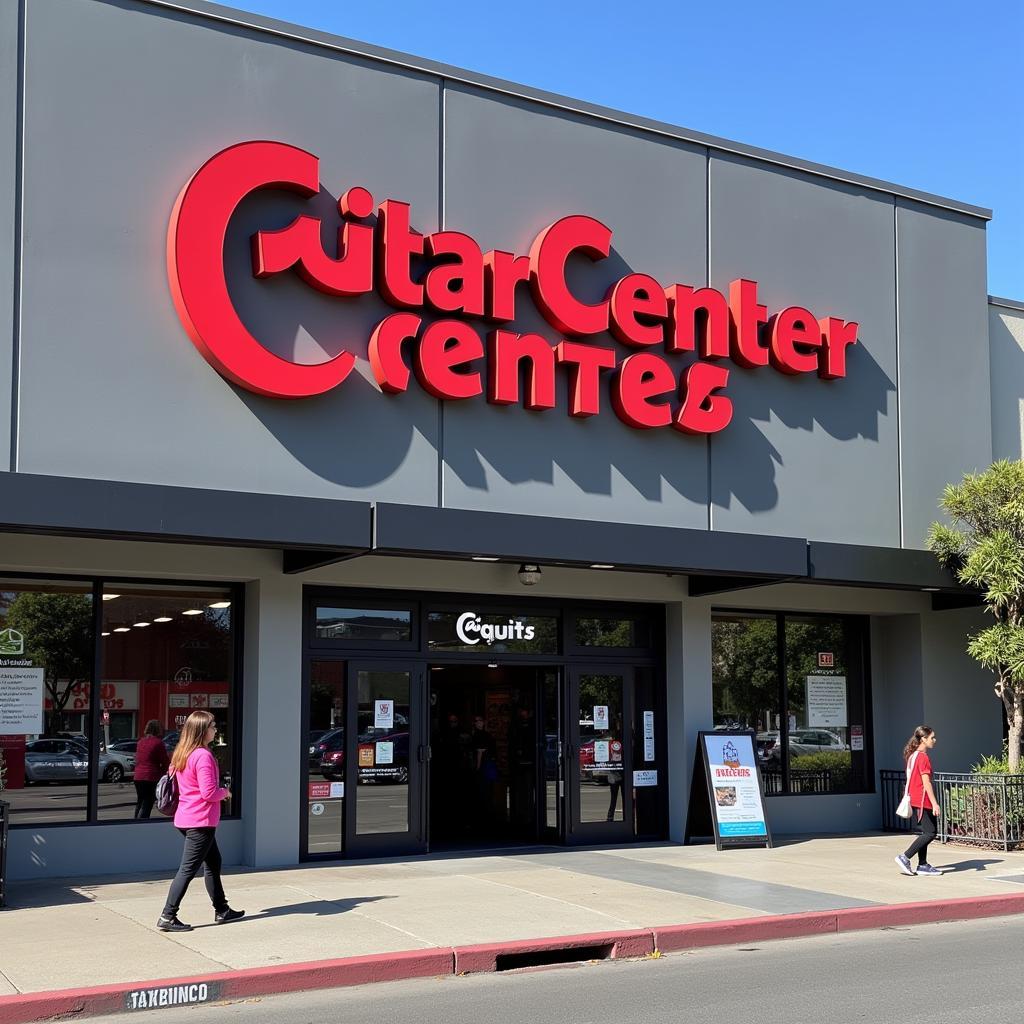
(446, 773)
(485, 766)
(151, 761)
(614, 773)
(523, 768)
(200, 796)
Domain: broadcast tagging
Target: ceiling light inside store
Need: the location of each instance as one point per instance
(140, 625)
(193, 611)
(601, 565)
(110, 597)
(123, 629)
(493, 664)
(484, 558)
(163, 618)
(220, 604)
(104, 634)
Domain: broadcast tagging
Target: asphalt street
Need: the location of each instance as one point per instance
(967, 973)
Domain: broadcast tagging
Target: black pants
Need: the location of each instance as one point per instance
(145, 797)
(200, 848)
(929, 829)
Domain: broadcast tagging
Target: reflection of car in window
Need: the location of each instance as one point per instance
(801, 742)
(369, 770)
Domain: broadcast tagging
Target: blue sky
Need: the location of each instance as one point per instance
(925, 94)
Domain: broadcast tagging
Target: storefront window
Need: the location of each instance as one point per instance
(376, 625)
(809, 711)
(166, 652)
(612, 632)
(46, 669)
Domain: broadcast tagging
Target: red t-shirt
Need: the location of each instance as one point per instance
(922, 766)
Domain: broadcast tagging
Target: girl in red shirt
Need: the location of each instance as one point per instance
(922, 799)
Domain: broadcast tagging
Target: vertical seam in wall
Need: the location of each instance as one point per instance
(899, 393)
(19, 179)
(441, 226)
(707, 284)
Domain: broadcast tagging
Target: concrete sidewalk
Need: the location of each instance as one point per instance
(65, 935)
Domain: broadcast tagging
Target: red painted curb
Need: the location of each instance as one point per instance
(753, 929)
(484, 958)
(427, 963)
(930, 912)
(106, 999)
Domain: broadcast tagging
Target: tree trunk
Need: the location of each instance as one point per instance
(1015, 717)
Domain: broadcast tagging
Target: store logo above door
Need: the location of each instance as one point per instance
(447, 279)
(471, 629)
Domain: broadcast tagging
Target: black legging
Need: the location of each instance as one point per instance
(929, 830)
(145, 798)
(200, 848)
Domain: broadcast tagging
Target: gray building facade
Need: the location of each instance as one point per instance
(128, 461)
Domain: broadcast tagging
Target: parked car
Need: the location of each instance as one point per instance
(329, 742)
(801, 741)
(53, 759)
(330, 752)
(125, 746)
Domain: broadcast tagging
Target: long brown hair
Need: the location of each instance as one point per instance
(922, 732)
(193, 736)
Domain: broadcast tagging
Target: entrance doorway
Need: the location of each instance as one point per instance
(495, 755)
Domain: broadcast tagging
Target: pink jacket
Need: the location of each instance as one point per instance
(199, 791)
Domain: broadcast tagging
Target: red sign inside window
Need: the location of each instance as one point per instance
(446, 331)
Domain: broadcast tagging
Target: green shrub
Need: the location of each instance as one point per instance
(835, 761)
(993, 764)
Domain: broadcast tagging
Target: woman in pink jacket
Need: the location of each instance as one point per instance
(200, 797)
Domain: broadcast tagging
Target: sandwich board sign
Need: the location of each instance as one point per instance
(727, 796)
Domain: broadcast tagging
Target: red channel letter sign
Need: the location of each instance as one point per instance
(441, 284)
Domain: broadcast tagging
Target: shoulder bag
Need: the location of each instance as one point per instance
(904, 810)
(167, 793)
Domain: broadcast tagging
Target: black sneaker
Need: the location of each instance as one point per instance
(227, 914)
(172, 924)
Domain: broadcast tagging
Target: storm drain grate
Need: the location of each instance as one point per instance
(547, 957)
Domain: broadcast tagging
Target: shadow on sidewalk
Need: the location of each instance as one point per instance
(970, 865)
(314, 908)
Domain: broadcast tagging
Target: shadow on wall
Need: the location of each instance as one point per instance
(1007, 356)
(357, 437)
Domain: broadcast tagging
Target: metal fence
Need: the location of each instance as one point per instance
(979, 810)
(892, 784)
(800, 781)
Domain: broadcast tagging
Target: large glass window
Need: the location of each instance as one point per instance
(166, 652)
(46, 670)
(163, 652)
(798, 681)
(375, 625)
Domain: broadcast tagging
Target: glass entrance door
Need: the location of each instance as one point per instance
(599, 754)
(386, 758)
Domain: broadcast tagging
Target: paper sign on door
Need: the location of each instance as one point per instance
(601, 752)
(383, 714)
(600, 716)
(385, 753)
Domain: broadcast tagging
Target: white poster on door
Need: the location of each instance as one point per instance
(601, 752)
(648, 748)
(385, 752)
(600, 716)
(383, 714)
(21, 701)
(648, 725)
(826, 701)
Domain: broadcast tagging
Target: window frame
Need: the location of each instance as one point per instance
(858, 635)
(98, 584)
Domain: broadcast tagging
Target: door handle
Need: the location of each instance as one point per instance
(424, 753)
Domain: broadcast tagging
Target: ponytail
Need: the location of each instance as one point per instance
(922, 732)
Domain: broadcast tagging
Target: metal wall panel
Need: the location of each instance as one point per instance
(125, 102)
(511, 167)
(1006, 354)
(9, 95)
(945, 389)
(804, 456)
